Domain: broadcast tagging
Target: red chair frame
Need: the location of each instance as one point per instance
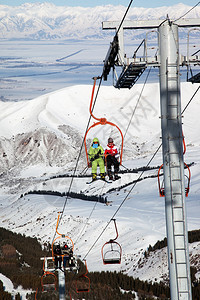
(111, 243)
(101, 121)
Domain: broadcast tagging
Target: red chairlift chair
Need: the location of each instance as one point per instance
(101, 121)
(66, 240)
(187, 186)
(111, 250)
(48, 280)
(83, 282)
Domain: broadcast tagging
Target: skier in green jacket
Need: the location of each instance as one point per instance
(96, 153)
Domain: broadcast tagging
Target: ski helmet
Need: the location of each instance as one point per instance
(110, 140)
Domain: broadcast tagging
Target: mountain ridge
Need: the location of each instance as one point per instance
(45, 21)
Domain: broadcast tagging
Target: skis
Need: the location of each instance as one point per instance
(105, 180)
(92, 181)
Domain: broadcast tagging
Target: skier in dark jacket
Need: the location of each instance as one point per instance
(111, 157)
(96, 153)
(58, 256)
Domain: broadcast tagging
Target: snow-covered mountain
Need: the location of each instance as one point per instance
(46, 21)
(41, 138)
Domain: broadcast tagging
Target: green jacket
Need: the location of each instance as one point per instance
(98, 152)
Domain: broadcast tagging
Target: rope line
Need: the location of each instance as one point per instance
(77, 161)
(135, 183)
(124, 17)
(137, 102)
(75, 169)
(122, 202)
(88, 124)
(190, 99)
(187, 11)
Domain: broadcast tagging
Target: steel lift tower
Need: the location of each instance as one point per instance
(169, 61)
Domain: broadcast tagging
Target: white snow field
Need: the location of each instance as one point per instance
(141, 218)
(41, 137)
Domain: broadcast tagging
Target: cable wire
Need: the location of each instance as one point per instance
(67, 196)
(122, 202)
(187, 12)
(137, 102)
(88, 126)
(124, 17)
(191, 99)
(89, 215)
(135, 183)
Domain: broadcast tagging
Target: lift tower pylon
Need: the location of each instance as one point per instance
(171, 124)
(168, 60)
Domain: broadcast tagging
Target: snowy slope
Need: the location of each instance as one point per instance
(46, 21)
(64, 114)
(8, 286)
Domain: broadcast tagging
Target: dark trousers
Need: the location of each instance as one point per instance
(111, 160)
(58, 261)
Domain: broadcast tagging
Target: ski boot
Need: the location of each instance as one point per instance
(94, 176)
(110, 175)
(102, 176)
(116, 176)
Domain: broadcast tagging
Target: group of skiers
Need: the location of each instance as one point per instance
(64, 254)
(99, 157)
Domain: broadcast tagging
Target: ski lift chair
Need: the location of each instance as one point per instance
(111, 250)
(194, 78)
(101, 121)
(83, 282)
(66, 240)
(187, 182)
(48, 282)
(48, 279)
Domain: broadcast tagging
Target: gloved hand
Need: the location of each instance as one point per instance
(96, 156)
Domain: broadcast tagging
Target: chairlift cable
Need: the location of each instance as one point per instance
(122, 202)
(78, 158)
(117, 210)
(78, 238)
(124, 17)
(188, 11)
(191, 99)
(195, 52)
(137, 102)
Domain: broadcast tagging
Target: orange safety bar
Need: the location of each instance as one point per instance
(87, 279)
(101, 121)
(162, 190)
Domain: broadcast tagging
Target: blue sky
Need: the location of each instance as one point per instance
(91, 3)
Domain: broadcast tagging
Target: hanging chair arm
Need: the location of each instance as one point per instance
(184, 146)
(115, 229)
(189, 177)
(58, 223)
(159, 179)
(92, 97)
